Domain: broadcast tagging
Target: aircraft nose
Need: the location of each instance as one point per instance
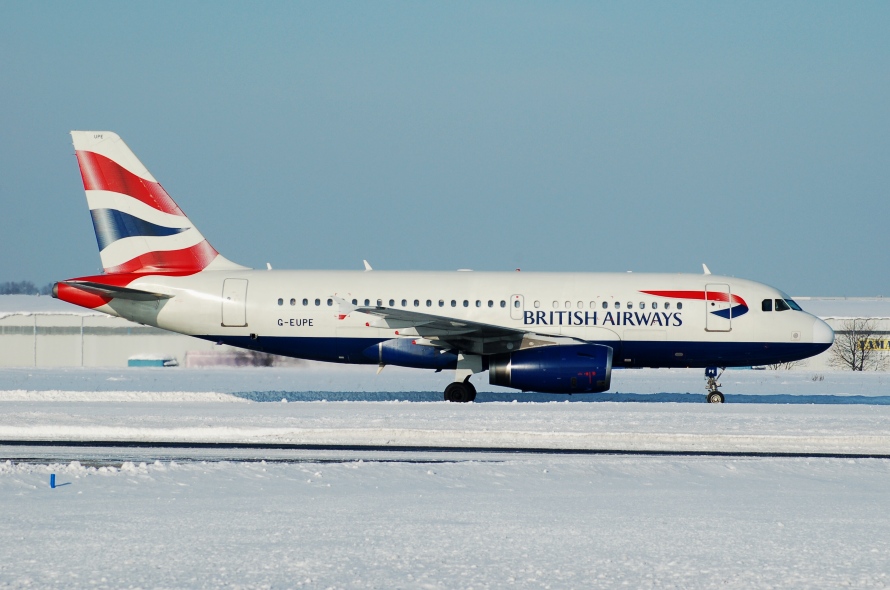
(822, 333)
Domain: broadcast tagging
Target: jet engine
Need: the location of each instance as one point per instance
(403, 352)
(570, 368)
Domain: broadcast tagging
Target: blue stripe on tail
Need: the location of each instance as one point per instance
(112, 225)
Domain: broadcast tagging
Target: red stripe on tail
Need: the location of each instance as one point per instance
(186, 261)
(102, 174)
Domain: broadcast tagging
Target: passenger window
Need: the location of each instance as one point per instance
(453, 303)
(490, 303)
(293, 301)
(330, 302)
(380, 303)
(478, 303)
(404, 303)
(679, 305)
(654, 305)
(667, 304)
(281, 302)
(537, 304)
(441, 303)
(781, 305)
(367, 302)
(317, 302)
(617, 305)
(466, 303)
(504, 304)
(429, 302)
(417, 303)
(556, 305)
(642, 305)
(515, 304)
(568, 305)
(392, 302)
(354, 302)
(605, 305)
(766, 305)
(630, 305)
(580, 305)
(305, 302)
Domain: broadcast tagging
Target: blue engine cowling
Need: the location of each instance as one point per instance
(402, 352)
(570, 368)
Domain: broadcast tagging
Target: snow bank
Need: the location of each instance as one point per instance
(850, 429)
(56, 395)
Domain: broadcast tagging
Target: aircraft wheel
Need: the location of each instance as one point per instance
(458, 392)
(715, 397)
(472, 391)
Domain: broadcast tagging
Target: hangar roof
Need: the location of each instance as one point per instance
(846, 307)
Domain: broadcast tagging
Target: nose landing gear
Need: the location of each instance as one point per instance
(714, 395)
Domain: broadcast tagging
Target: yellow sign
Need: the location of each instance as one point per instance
(874, 344)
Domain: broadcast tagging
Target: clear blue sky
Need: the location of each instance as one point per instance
(558, 136)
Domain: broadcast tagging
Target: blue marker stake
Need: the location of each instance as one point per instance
(52, 480)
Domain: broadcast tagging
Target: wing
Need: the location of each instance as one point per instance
(463, 335)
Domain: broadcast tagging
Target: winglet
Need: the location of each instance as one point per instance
(706, 269)
(367, 266)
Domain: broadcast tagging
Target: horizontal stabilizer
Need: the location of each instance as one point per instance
(115, 292)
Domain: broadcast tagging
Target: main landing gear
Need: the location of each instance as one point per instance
(714, 395)
(460, 391)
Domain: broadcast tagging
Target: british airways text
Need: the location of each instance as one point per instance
(587, 318)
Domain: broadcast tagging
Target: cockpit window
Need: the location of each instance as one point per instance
(793, 305)
(781, 305)
(767, 305)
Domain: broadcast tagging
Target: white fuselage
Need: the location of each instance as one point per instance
(301, 313)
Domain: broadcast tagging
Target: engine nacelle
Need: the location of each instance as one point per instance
(570, 368)
(403, 352)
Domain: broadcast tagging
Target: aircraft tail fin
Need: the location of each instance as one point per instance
(139, 228)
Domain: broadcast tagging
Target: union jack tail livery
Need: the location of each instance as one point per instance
(139, 228)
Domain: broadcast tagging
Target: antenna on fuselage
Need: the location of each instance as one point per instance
(705, 268)
(367, 266)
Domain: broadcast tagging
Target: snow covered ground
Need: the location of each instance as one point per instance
(531, 522)
(740, 428)
(343, 519)
(361, 382)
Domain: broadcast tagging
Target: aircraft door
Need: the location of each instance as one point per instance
(718, 309)
(234, 302)
(517, 307)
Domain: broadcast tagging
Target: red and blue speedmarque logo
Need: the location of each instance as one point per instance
(737, 306)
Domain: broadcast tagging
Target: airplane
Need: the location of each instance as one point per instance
(559, 333)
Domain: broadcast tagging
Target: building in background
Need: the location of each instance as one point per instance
(45, 332)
